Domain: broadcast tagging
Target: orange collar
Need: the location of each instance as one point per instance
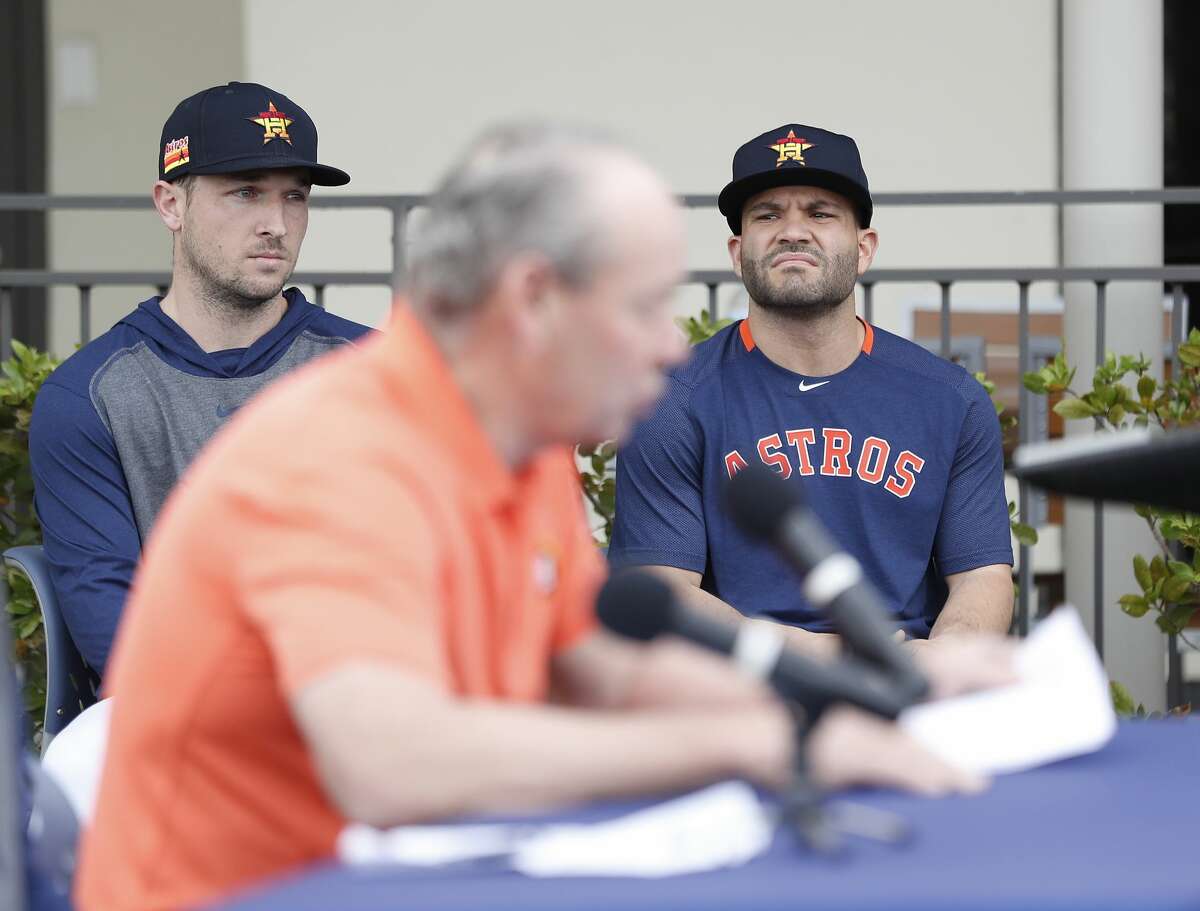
(868, 335)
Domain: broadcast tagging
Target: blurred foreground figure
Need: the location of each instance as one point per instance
(372, 597)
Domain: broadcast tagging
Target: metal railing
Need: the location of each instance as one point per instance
(401, 207)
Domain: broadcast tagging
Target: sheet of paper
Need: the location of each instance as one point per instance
(1059, 708)
(719, 826)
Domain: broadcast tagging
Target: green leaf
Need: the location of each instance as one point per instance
(1189, 354)
(1175, 589)
(1175, 620)
(1116, 415)
(1145, 387)
(1074, 409)
(1035, 383)
(1134, 605)
(1179, 568)
(1026, 535)
(1141, 571)
(1122, 702)
(1158, 569)
(28, 626)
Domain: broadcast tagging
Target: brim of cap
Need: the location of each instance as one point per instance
(733, 198)
(322, 175)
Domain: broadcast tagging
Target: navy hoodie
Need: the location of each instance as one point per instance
(115, 426)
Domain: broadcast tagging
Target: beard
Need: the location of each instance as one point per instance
(796, 293)
(221, 285)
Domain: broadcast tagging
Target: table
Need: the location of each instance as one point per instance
(1114, 830)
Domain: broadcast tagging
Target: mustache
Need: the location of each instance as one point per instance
(784, 249)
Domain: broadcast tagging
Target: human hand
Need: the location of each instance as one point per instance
(849, 747)
(962, 663)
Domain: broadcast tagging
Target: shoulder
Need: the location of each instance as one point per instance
(894, 353)
(336, 328)
(707, 359)
(319, 322)
(76, 377)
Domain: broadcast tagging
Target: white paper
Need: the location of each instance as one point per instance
(720, 826)
(1059, 707)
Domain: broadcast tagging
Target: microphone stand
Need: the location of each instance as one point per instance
(821, 826)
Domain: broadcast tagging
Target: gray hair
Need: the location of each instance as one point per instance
(523, 189)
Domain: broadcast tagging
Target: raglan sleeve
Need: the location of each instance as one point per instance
(973, 529)
(89, 533)
(659, 495)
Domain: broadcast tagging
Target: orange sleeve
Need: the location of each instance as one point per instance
(340, 568)
(584, 567)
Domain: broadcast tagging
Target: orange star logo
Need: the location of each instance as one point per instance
(791, 148)
(274, 124)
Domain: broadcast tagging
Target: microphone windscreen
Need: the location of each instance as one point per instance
(635, 604)
(758, 501)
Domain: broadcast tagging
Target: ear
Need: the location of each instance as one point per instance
(734, 245)
(170, 201)
(525, 301)
(868, 243)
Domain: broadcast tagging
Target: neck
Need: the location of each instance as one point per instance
(487, 385)
(819, 346)
(216, 324)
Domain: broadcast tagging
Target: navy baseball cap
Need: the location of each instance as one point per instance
(796, 154)
(241, 126)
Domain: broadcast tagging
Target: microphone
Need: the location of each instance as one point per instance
(638, 605)
(767, 509)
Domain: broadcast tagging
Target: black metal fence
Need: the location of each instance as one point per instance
(1019, 279)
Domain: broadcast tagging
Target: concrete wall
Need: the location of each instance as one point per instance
(104, 129)
(941, 95)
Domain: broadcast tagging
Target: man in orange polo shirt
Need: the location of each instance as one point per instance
(359, 601)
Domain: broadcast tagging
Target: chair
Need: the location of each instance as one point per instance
(71, 686)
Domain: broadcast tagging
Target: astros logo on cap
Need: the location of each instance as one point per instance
(790, 148)
(175, 153)
(274, 124)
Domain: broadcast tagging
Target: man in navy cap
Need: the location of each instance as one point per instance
(897, 450)
(115, 426)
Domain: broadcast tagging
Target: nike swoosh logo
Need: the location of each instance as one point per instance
(223, 412)
(805, 387)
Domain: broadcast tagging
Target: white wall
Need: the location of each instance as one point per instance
(148, 57)
(940, 94)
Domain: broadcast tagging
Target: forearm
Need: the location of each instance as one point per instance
(439, 757)
(980, 601)
(697, 599)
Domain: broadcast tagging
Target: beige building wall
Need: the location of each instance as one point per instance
(941, 95)
(117, 69)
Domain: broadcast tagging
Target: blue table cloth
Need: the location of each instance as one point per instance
(1115, 830)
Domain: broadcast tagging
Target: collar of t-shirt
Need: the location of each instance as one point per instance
(798, 384)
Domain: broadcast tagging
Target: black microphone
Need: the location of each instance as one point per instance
(768, 509)
(638, 605)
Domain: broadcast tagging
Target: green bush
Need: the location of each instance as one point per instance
(20, 378)
(1125, 395)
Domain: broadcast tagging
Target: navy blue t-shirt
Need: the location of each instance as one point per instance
(899, 454)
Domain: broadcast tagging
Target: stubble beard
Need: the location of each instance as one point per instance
(226, 292)
(795, 294)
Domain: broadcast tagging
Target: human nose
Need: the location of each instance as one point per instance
(271, 221)
(794, 228)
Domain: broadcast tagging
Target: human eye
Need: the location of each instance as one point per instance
(245, 192)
